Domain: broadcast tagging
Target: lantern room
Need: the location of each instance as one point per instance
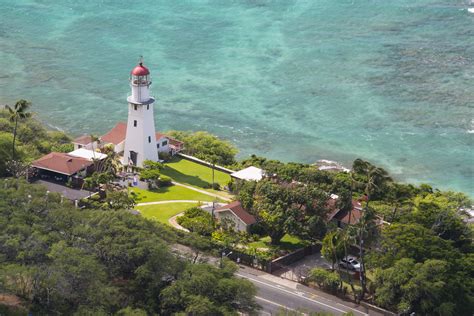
(140, 81)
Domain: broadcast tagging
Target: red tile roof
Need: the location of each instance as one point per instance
(83, 140)
(116, 135)
(61, 163)
(159, 135)
(352, 217)
(238, 210)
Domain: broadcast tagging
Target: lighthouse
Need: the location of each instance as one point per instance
(140, 139)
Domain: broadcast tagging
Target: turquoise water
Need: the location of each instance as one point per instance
(388, 81)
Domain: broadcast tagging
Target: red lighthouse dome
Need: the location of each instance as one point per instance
(140, 70)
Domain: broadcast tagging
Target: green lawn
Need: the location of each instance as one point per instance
(191, 173)
(173, 192)
(288, 242)
(163, 212)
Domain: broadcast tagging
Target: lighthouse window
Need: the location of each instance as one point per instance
(147, 106)
(149, 139)
(135, 123)
(135, 106)
(164, 143)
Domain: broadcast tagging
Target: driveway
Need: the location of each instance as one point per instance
(68, 193)
(302, 267)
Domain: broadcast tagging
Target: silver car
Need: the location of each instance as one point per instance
(350, 263)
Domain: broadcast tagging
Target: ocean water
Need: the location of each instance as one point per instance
(387, 81)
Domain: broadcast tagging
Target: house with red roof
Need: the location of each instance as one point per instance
(63, 167)
(235, 215)
(84, 141)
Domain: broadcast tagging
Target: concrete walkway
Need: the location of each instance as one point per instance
(202, 191)
(173, 222)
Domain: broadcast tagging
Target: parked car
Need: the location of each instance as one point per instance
(350, 263)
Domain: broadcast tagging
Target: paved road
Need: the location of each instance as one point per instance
(273, 297)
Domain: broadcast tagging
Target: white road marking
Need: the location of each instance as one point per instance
(304, 297)
(274, 303)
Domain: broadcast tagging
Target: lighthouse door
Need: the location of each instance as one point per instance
(133, 157)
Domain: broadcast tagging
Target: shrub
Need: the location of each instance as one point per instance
(164, 156)
(216, 186)
(164, 181)
(197, 220)
(325, 279)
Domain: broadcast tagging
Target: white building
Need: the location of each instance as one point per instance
(136, 140)
(140, 140)
(249, 174)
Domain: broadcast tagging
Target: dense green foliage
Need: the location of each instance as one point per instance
(62, 260)
(198, 221)
(325, 279)
(282, 208)
(422, 261)
(207, 147)
(206, 290)
(32, 140)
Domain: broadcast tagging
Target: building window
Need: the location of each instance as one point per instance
(134, 123)
(79, 146)
(157, 145)
(164, 143)
(149, 139)
(147, 106)
(135, 107)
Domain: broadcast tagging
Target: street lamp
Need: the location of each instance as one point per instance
(224, 255)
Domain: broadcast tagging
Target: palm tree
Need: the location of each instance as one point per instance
(94, 139)
(19, 111)
(112, 163)
(374, 179)
(213, 160)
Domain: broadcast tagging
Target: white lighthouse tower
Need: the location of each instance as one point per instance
(140, 140)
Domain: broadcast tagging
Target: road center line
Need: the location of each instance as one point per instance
(274, 303)
(294, 294)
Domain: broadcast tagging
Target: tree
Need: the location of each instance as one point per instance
(119, 200)
(151, 172)
(18, 112)
(271, 205)
(373, 180)
(420, 288)
(112, 163)
(333, 247)
(206, 146)
(411, 241)
(198, 221)
(207, 290)
(437, 213)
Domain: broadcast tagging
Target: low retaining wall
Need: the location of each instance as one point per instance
(282, 262)
(205, 163)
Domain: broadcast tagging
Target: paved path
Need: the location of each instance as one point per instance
(202, 191)
(173, 222)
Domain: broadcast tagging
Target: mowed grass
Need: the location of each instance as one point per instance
(288, 242)
(194, 174)
(173, 192)
(163, 212)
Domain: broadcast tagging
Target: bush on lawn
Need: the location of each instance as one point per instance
(216, 186)
(198, 221)
(164, 181)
